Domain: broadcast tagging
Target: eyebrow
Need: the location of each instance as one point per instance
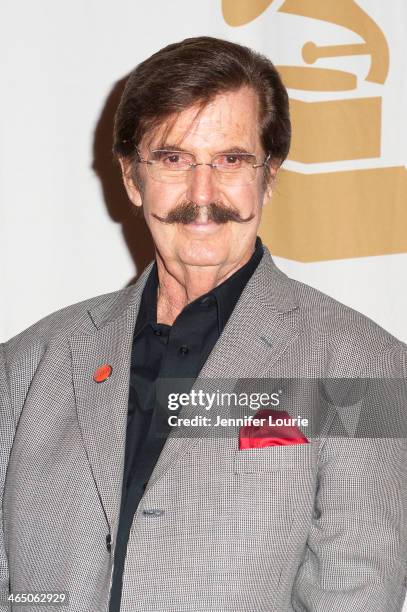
(171, 147)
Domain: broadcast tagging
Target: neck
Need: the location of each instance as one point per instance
(179, 284)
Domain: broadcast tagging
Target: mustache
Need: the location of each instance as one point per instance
(188, 212)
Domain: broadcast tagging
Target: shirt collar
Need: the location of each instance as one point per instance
(227, 293)
(148, 305)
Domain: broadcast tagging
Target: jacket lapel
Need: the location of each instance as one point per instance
(102, 407)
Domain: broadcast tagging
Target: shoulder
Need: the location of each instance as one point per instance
(328, 315)
(61, 323)
(319, 313)
(352, 340)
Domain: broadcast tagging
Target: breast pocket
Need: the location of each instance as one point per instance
(293, 457)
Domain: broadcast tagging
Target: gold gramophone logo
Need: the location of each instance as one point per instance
(320, 215)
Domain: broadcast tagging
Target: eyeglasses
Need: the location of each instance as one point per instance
(175, 166)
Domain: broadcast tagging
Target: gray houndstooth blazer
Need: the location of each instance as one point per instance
(307, 527)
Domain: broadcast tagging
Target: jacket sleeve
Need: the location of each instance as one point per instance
(356, 551)
(7, 429)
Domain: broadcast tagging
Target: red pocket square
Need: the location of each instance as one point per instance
(270, 428)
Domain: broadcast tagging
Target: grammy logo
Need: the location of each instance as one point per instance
(316, 214)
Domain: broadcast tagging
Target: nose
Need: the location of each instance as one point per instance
(202, 185)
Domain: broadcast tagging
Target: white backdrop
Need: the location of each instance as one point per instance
(67, 235)
(66, 231)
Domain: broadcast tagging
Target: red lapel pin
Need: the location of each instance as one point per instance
(102, 373)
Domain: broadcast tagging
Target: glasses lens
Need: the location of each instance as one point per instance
(170, 166)
(235, 169)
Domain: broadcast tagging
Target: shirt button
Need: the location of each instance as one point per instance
(158, 332)
(207, 300)
(183, 349)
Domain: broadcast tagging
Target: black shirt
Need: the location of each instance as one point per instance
(162, 351)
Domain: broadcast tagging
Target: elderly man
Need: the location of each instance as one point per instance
(105, 506)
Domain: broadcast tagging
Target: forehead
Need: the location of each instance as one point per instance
(231, 119)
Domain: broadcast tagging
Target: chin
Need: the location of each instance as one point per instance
(202, 253)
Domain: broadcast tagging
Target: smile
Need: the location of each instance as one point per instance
(207, 227)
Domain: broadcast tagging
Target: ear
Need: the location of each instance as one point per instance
(270, 184)
(132, 189)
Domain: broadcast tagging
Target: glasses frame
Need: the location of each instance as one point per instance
(152, 162)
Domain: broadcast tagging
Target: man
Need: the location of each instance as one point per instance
(104, 502)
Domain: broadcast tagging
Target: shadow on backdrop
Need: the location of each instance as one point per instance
(120, 209)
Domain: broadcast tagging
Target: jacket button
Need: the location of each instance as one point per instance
(153, 512)
(108, 542)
